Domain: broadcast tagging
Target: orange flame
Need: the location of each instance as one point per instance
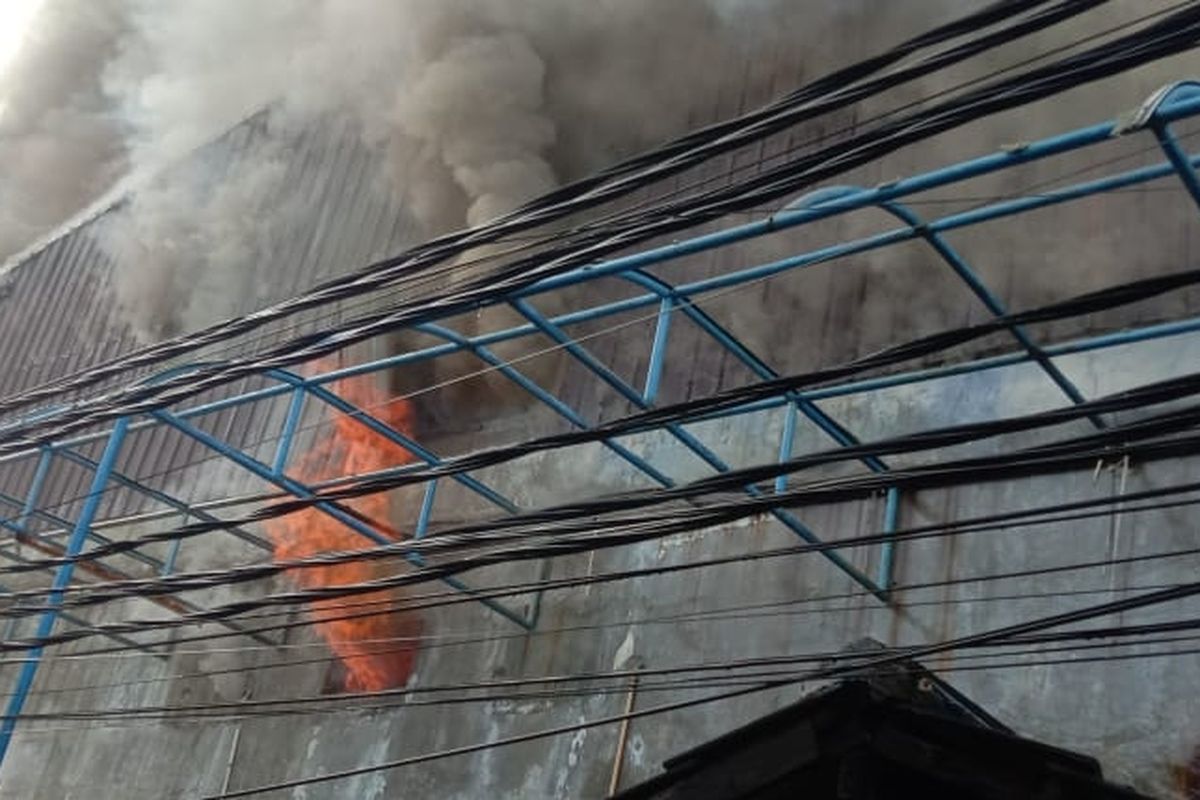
(373, 649)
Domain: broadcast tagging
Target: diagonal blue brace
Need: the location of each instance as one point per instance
(162, 497)
(685, 438)
(301, 490)
(394, 436)
(968, 276)
(35, 488)
(749, 359)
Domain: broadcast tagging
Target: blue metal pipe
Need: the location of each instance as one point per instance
(763, 371)
(1174, 106)
(35, 488)
(658, 350)
(785, 444)
(426, 510)
(965, 170)
(173, 551)
(948, 223)
(556, 405)
(62, 578)
(891, 517)
(1104, 341)
(757, 366)
(1101, 342)
(284, 446)
(391, 434)
(1179, 160)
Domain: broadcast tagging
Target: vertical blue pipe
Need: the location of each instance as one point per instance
(35, 488)
(426, 510)
(62, 578)
(289, 430)
(785, 445)
(658, 350)
(173, 552)
(887, 555)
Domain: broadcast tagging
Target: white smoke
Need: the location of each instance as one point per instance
(476, 105)
(60, 138)
(183, 252)
(473, 106)
(445, 111)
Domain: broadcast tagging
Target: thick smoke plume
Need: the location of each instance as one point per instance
(61, 140)
(471, 105)
(467, 107)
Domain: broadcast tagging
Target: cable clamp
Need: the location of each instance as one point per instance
(1140, 117)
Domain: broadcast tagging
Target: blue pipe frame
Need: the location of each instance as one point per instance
(1173, 103)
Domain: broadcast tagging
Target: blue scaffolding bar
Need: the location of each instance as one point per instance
(62, 577)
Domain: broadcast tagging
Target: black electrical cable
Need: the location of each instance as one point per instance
(817, 599)
(824, 673)
(1041, 56)
(695, 147)
(389, 645)
(742, 679)
(1174, 34)
(195, 462)
(1001, 522)
(456, 598)
(741, 168)
(1092, 302)
(593, 681)
(640, 528)
(581, 518)
(756, 611)
(234, 608)
(1107, 298)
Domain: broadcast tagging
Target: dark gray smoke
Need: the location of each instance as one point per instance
(472, 105)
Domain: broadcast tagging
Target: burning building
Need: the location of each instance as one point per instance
(482, 524)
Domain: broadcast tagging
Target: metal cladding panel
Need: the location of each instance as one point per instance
(59, 311)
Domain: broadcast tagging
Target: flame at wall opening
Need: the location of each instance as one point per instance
(377, 651)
